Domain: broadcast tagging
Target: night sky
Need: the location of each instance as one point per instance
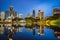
(26, 6)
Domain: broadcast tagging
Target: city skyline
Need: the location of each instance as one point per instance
(28, 6)
(12, 13)
(29, 19)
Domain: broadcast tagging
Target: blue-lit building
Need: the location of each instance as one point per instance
(33, 14)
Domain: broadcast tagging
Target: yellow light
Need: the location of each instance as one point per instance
(10, 39)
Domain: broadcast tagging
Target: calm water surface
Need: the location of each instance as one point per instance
(32, 33)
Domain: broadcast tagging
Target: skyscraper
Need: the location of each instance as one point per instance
(28, 15)
(33, 14)
(10, 13)
(20, 15)
(2, 15)
(56, 12)
(11, 8)
(7, 14)
(40, 14)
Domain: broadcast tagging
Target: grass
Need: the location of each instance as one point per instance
(54, 22)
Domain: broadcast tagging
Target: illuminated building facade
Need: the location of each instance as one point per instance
(2, 15)
(40, 14)
(56, 12)
(20, 15)
(10, 13)
(28, 15)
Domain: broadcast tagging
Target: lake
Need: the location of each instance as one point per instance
(30, 33)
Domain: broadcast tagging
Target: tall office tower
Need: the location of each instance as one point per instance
(7, 14)
(33, 14)
(17, 15)
(56, 12)
(2, 15)
(28, 15)
(20, 15)
(11, 8)
(40, 14)
(10, 13)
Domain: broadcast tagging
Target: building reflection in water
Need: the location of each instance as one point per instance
(28, 29)
(1, 30)
(56, 31)
(41, 30)
(10, 31)
(20, 29)
(33, 30)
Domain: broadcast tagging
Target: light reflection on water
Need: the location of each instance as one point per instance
(29, 33)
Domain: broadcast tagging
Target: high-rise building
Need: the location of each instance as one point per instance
(2, 15)
(56, 12)
(10, 12)
(17, 15)
(33, 14)
(40, 14)
(11, 8)
(7, 14)
(20, 15)
(28, 15)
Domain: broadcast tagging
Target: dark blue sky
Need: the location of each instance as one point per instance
(26, 6)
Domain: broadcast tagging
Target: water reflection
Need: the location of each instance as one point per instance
(36, 30)
(20, 29)
(56, 31)
(1, 30)
(41, 30)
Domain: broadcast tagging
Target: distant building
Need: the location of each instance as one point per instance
(2, 15)
(40, 14)
(20, 15)
(28, 15)
(17, 15)
(33, 14)
(56, 12)
(10, 12)
(22, 22)
(7, 14)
